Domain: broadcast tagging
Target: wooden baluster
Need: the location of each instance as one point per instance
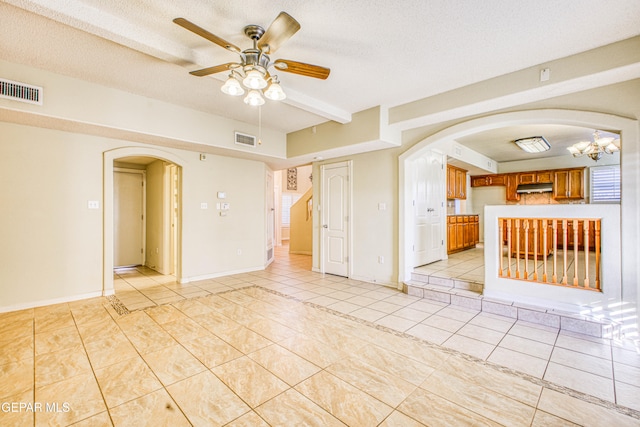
(525, 225)
(586, 253)
(509, 246)
(517, 248)
(564, 251)
(576, 230)
(554, 227)
(535, 250)
(597, 237)
(545, 245)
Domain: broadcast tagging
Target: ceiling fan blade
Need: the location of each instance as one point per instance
(206, 34)
(280, 30)
(303, 69)
(213, 70)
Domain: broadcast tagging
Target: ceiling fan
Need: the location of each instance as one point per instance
(254, 64)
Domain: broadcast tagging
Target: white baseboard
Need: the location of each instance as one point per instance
(41, 303)
(184, 280)
(389, 283)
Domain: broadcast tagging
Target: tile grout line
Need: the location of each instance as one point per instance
(75, 323)
(543, 383)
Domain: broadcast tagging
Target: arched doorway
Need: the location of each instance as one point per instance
(630, 161)
(162, 246)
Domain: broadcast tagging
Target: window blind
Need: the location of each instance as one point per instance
(605, 184)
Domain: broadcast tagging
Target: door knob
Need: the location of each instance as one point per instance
(430, 210)
(325, 226)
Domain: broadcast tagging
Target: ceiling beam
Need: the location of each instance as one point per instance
(94, 21)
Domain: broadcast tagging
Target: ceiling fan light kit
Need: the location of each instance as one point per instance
(254, 64)
(596, 148)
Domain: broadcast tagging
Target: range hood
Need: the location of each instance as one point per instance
(534, 188)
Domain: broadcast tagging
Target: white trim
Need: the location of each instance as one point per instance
(220, 274)
(61, 300)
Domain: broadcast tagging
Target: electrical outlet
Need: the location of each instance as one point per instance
(93, 204)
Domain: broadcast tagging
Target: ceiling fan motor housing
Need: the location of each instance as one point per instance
(254, 59)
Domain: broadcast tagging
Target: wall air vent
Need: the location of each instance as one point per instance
(244, 139)
(20, 92)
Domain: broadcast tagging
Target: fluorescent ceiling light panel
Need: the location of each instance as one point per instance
(533, 144)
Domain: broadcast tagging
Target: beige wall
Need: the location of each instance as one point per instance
(53, 244)
(374, 232)
(155, 216)
(301, 229)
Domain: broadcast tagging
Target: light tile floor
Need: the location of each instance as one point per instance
(287, 346)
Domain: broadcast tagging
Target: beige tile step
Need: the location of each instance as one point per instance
(447, 282)
(574, 322)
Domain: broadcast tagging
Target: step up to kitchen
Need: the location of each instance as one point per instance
(574, 322)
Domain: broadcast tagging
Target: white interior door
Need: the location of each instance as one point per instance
(335, 219)
(429, 208)
(128, 220)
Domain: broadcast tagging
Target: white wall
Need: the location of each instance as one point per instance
(53, 244)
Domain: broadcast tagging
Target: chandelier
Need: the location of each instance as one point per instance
(595, 148)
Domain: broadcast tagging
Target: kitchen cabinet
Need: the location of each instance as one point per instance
(488, 180)
(462, 232)
(512, 185)
(568, 184)
(536, 177)
(456, 183)
(544, 177)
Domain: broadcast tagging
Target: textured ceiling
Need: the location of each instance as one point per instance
(380, 52)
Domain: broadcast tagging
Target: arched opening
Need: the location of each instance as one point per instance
(630, 156)
(155, 246)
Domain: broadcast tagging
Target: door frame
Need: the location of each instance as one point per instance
(349, 166)
(107, 208)
(143, 174)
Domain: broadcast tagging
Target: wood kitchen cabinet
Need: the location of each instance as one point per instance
(462, 232)
(568, 184)
(536, 177)
(512, 185)
(456, 183)
(488, 180)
